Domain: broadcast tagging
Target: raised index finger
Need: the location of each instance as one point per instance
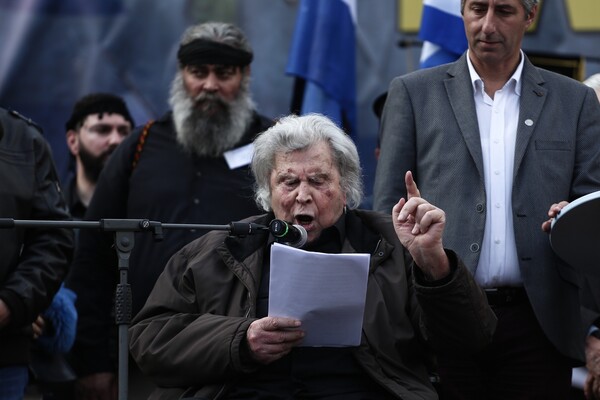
(411, 187)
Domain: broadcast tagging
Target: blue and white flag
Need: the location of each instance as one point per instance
(442, 32)
(322, 55)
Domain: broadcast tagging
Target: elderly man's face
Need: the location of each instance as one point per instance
(204, 82)
(305, 189)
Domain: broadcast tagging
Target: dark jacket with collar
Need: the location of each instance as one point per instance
(33, 262)
(187, 338)
(169, 185)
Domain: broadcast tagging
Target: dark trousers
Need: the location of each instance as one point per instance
(13, 381)
(520, 363)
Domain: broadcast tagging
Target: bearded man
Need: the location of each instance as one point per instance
(190, 166)
(98, 124)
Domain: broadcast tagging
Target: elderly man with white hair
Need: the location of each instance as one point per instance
(206, 332)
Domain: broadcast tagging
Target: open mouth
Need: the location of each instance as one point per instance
(303, 219)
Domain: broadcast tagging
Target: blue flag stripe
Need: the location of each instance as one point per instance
(439, 57)
(443, 29)
(323, 53)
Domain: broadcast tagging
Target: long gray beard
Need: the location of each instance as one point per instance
(209, 135)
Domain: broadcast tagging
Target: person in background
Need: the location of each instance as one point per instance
(494, 144)
(189, 166)
(98, 124)
(378, 111)
(34, 260)
(593, 81)
(205, 331)
(377, 106)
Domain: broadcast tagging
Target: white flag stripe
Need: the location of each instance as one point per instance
(352, 6)
(447, 6)
(428, 50)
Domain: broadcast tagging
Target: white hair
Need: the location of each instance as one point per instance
(293, 133)
(593, 81)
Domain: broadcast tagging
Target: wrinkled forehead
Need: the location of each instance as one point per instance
(315, 160)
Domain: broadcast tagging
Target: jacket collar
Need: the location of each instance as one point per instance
(459, 89)
(241, 247)
(533, 97)
(370, 232)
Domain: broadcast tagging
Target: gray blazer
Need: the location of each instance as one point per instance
(429, 126)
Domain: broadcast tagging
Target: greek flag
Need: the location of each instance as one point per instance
(442, 32)
(322, 57)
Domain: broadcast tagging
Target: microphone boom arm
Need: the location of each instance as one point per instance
(124, 238)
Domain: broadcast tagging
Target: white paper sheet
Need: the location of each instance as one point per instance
(325, 291)
(240, 156)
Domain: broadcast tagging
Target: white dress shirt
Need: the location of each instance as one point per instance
(497, 118)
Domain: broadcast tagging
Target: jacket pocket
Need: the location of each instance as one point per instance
(559, 145)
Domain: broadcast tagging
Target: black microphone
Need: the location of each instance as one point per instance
(245, 228)
(289, 234)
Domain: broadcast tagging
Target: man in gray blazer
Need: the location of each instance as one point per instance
(500, 145)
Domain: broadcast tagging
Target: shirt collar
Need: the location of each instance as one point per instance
(515, 79)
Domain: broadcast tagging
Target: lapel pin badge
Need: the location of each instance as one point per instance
(528, 122)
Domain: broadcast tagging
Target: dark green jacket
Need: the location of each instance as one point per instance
(189, 333)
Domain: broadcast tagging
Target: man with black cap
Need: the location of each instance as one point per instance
(190, 166)
(98, 124)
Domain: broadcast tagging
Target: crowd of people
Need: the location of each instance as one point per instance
(465, 298)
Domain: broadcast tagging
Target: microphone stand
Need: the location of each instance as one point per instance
(124, 230)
